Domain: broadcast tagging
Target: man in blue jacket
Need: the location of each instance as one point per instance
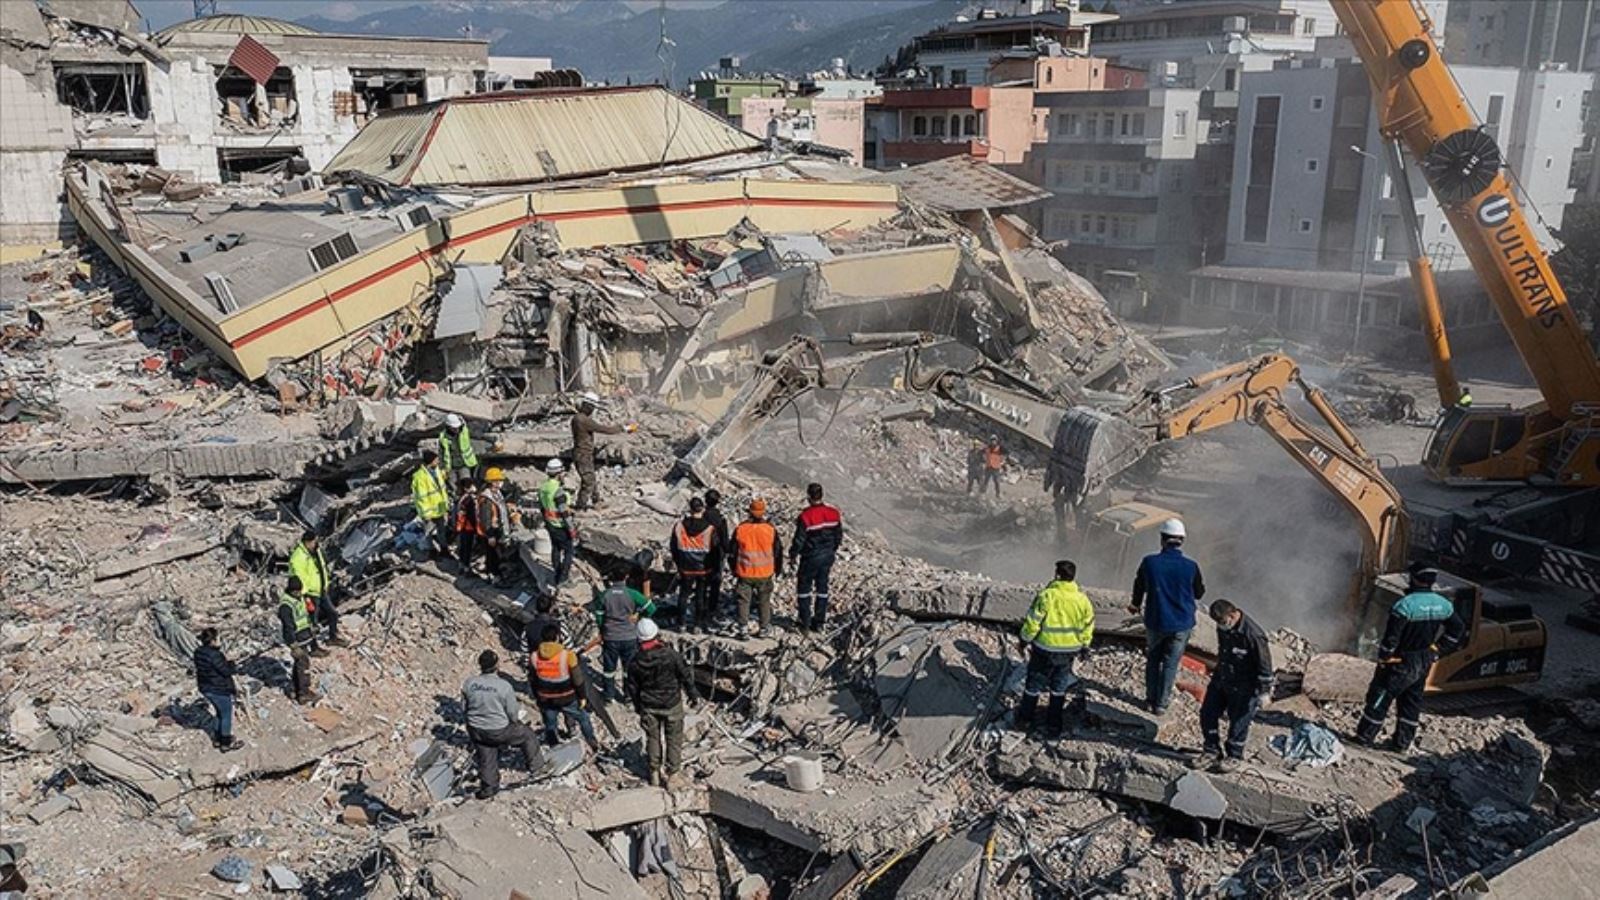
(1165, 589)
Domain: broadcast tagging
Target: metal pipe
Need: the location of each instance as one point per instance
(1428, 305)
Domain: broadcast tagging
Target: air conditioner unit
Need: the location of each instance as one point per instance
(223, 292)
(348, 199)
(332, 251)
(412, 217)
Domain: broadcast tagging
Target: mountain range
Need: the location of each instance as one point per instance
(616, 41)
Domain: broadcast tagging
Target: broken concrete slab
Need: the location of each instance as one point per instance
(1337, 678)
(922, 693)
(866, 817)
(1255, 796)
(172, 550)
(1564, 863)
(941, 871)
(482, 851)
(46, 464)
(1195, 795)
(49, 809)
(630, 806)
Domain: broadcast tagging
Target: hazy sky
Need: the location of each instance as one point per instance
(162, 13)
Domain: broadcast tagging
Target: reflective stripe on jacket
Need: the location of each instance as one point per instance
(1061, 618)
(553, 503)
(428, 494)
(299, 615)
(311, 570)
(755, 543)
(692, 550)
(457, 453)
(552, 676)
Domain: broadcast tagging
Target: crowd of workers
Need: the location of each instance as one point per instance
(468, 516)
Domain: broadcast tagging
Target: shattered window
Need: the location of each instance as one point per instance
(103, 89)
(380, 89)
(246, 106)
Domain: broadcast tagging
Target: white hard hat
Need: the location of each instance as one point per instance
(591, 398)
(648, 629)
(1172, 528)
(555, 466)
(453, 420)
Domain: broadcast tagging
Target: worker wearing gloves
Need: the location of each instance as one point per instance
(1240, 685)
(494, 722)
(757, 558)
(817, 534)
(1421, 625)
(619, 609)
(1166, 587)
(307, 563)
(558, 686)
(213, 673)
(556, 505)
(431, 500)
(466, 523)
(659, 682)
(1059, 627)
(456, 455)
(692, 543)
(584, 427)
(300, 636)
(494, 523)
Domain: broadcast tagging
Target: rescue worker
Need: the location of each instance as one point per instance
(1464, 399)
(994, 459)
(494, 722)
(719, 550)
(307, 564)
(213, 675)
(584, 427)
(618, 610)
(494, 523)
(757, 559)
(300, 636)
(431, 500)
(692, 542)
(1166, 588)
(1240, 685)
(1421, 625)
(1059, 627)
(659, 682)
(558, 687)
(974, 465)
(467, 527)
(456, 454)
(817, 535)
(556, 506)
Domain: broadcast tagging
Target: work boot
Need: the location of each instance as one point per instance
(1405, 734)
(1207, 758)
(1366, 733)
(1026, 711)
(1052, 717)
(308, 698)
(338, 642)
(318, 651)
(1227, 765)
(485, 793)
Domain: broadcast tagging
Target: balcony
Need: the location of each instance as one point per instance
(970, 97)
(926, 149)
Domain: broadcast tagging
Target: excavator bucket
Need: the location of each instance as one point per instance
(1091, 447)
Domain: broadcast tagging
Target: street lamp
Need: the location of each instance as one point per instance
(1366, 249)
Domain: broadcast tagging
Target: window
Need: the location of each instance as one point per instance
(1317, 103)
(1558, 103)
(1180, 124)
(1127, 179)
(380, 89)
(969, 125)
(1108, 125)
(243, 164)
(1138, 124)
(240, 107)
(1312, 165)
(1105, 175)
(1308, 27)
(1263, 159)
(919, 126)
(1547, 161)
(955, 125)
(958, 76)
(1386, 190)
(1305, 226)
(1116, 227)
(1230, 79)
(1049, 75)
(1084, 224)
(1127, 125)
(1099, 224)
(1094, 125)
(1353, 111)
(103, 88)
(938, 126)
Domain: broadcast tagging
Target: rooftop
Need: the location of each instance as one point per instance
(234, 24)
(962, 184)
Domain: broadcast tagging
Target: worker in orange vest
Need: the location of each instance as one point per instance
(693, 544)
(756, 558)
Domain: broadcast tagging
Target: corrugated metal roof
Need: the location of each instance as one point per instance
(234, 24)
(961, 184)
(518, 138)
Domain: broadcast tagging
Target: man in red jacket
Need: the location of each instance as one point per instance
(817, 535)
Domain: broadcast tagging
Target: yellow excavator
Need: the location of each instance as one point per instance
(1506, 642)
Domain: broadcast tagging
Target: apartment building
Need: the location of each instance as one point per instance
(962, 52)
(916, 125)
(1522, 34)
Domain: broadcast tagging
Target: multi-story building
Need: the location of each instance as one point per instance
(1129, 174)
(1522, 34)
(1311, 190)
(838, 122)
(914, 125)
(176, 100)
(724, 93)
(962, 52)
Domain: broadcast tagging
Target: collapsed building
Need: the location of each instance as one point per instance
(737, 302)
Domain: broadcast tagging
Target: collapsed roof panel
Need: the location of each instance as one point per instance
(962, 184)
(524, 138)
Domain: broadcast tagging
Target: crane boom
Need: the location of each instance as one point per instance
(1420, 104)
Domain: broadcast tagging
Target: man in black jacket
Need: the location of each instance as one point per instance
(719, 550)
(213, 673)
(300, 635)
(1240, 684)
(1421, 625)
(659, 680)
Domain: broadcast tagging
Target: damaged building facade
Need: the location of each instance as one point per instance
(93, 87)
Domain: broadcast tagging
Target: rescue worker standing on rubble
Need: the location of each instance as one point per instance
(659, 682)
(584, 427)
(692, 543)
(757, 558)
(1421, 625)
(466, 523)
(974, 465)
(719, 550)
(618, 610)
(456, 454)
(559, 689)
(300, 636)
(1240, 685)
(817, 535)
(994, 460)
(431, 500)
(1166, 587)
(494, 523)
(1059, 627)
(213, 674)
(306, 563)
(556, 506)
(494, 720)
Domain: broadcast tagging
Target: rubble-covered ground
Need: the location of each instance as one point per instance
(112, 785)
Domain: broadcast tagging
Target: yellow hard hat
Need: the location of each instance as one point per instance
(494, 474)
